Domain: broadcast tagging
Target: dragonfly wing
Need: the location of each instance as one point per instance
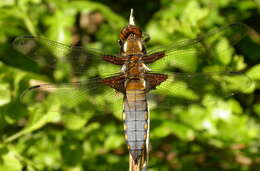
(200, 88)
(72, 96)
(48, 53)
(184, 54)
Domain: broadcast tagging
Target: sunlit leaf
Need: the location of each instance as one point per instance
(254, 72)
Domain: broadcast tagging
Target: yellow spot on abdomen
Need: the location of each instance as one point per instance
(124, 116)
(146, 116)
(145, 126)
(145, 136)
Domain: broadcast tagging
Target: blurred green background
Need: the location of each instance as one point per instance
(90, 137)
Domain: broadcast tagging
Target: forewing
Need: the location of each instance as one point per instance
(199, 88)
(185, 53)
(50, 54)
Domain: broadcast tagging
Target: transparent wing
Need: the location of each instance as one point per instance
(200, 88)
(87, 94)
(47, 54)
(184, 53)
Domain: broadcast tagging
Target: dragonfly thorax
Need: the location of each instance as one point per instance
(134, 67)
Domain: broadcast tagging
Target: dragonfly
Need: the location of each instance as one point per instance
(140, 73)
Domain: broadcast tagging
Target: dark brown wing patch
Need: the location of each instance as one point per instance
(115, 82)
(154, 79)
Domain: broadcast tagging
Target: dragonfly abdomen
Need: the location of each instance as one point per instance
(135, 118)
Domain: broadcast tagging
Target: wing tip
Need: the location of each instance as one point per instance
(27, 90)
(33, 87)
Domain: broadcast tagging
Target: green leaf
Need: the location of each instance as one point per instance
(254, 72)
(256, 108)
(74, 121)
(223, 51)
(11, 162)
(7, 3)
(193, 14)
(36, 121)
(113, 141)
(5, 94)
